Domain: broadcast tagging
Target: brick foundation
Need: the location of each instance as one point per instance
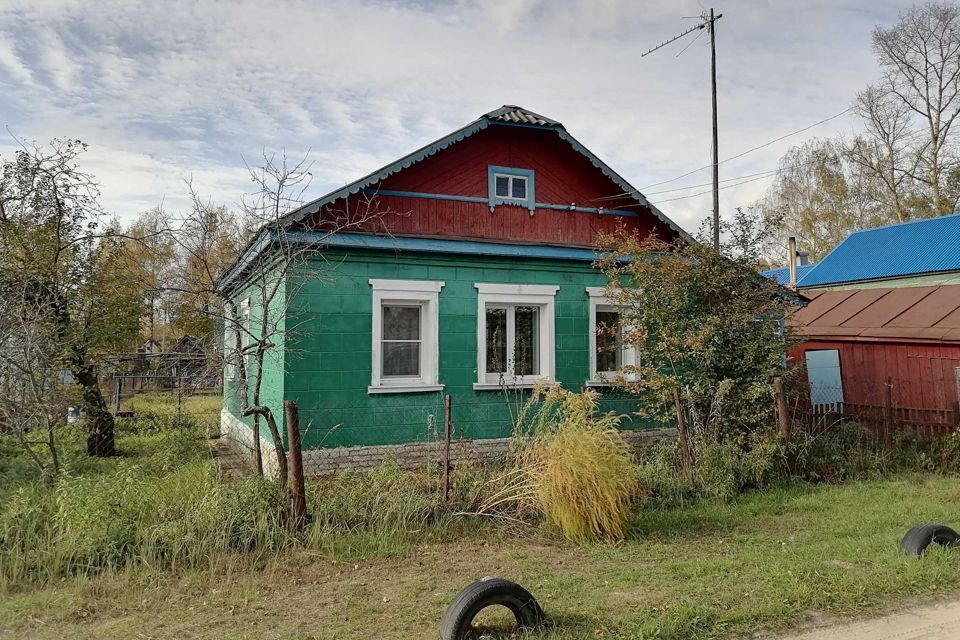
(414, 455)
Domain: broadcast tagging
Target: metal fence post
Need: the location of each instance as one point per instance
(298, 496)
(888, 412)
(116, 393)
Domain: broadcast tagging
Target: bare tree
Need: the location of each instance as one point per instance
(920, 57)
(885, 150)
(255, 312)
(33, 388)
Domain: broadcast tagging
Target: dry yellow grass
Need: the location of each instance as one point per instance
(577, 467)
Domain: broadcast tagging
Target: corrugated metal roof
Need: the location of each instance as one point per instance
(924, 246)
(513, 113)
(927, 313)
(782, 274)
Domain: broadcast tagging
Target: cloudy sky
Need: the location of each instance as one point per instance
(165, 90)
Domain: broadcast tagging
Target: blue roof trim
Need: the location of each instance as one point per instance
(782, 274)
(508, 115)
(253, 249)
(431, 245)
(930, 245)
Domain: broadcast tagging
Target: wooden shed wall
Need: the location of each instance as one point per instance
(923, 374)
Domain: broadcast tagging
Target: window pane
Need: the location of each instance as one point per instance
(503, 186)
(608, 341)
(496, 340)
(401, 359)
(401, 323)
(526, 352)
(519, 188)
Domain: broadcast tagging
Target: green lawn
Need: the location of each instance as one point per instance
(708, 570)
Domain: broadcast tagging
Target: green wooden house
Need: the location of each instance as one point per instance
(472, 279)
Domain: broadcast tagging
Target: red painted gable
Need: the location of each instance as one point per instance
(562, 176)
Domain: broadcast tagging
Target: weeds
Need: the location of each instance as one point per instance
(572, 469)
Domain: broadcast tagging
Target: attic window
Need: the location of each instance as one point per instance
(511, 187)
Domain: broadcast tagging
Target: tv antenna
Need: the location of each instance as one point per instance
(707, 21)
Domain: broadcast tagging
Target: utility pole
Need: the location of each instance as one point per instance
(708, 22)
(716, 155)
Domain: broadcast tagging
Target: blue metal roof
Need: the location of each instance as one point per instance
(782, 274)
(931, 245)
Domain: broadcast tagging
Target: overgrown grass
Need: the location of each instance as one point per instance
(161, 506)
(715, 569)
(135, 541)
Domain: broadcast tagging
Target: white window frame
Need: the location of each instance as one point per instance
(628, 354)
(245, 336)
(426, 295)
(510, 178)
(229, 331)
(533, 295)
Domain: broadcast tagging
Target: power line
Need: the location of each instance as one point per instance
(729, 186)
(708, 21)
(756, 148)
(706, 184)
(739, 155)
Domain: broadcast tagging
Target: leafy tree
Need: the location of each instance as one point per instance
(749, 236)
(208, 241)
(702, 323)
(58, 260)
(151, 252)
(820, 196)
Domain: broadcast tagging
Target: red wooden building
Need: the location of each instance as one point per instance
(865, 349)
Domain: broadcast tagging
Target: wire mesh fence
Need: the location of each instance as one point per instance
(884, 407)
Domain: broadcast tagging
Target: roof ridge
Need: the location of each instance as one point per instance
(906, 222)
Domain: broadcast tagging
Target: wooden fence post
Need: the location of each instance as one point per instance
(116, 393)
(447, 430)
(686, 456)
(783, 414)
(298, 496)
(888, 412)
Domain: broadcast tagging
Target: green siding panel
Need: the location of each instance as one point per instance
(273, 379)
(327, 365)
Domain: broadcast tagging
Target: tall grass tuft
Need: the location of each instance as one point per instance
(161, 506)
(573, 468)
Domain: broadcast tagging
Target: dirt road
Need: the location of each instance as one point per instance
(939, 621)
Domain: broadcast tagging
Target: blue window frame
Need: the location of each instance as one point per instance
(511, 186)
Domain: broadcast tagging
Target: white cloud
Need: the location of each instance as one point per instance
(163, 90)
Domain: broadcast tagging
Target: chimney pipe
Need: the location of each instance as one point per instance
(792, 257)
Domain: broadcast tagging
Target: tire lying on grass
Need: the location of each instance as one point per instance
(489, 592)
(923, 535)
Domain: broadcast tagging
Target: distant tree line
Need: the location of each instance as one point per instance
(905, 162)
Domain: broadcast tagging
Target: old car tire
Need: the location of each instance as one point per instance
(484, 593)
(921, 536)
